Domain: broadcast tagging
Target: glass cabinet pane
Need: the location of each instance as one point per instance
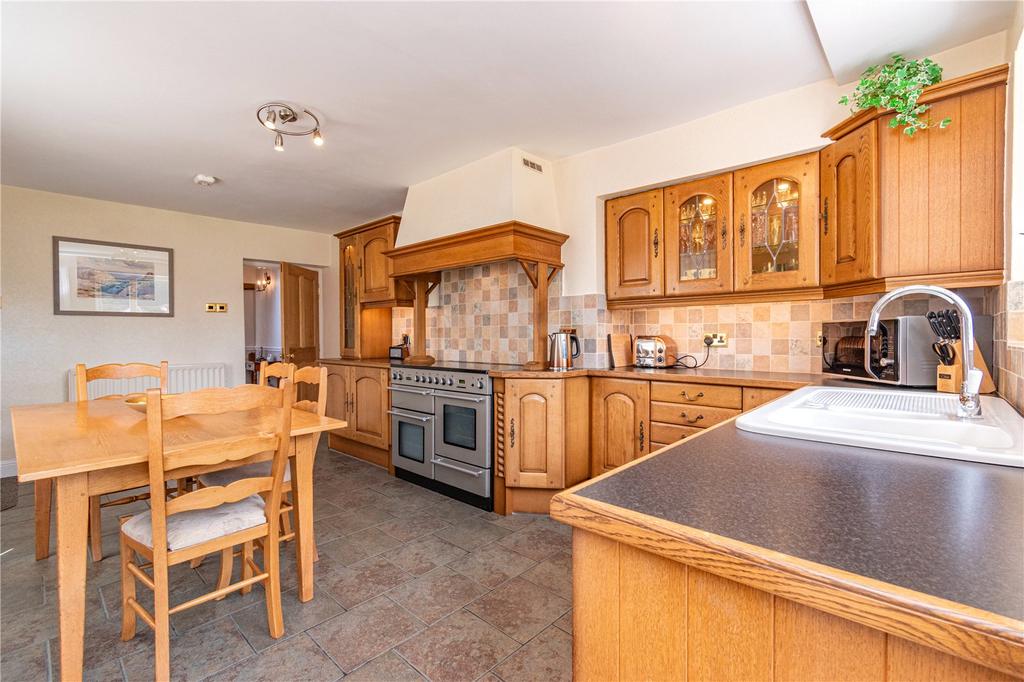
(350, 297)
(775, 226)
(698, 244)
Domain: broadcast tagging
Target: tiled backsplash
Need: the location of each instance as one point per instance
(484, 315)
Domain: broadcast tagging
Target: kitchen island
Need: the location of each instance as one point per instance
(737, 556)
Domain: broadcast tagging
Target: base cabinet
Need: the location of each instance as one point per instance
(620, 422)
(359, 395)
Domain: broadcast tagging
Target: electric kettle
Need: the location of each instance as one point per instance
(565, 346)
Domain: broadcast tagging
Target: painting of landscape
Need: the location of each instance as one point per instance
(116, 278)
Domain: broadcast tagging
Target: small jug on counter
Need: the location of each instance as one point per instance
(565, 346)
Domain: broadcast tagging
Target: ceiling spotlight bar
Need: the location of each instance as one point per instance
(277, 116)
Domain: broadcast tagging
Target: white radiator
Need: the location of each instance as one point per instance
(180, 379)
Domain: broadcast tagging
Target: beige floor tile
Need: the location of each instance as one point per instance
(548, 657)
(436, 594)
(389, 667)
(198, 653)
(298, 658)
(424, 554)
(364, 580)
(472, 533)
(298, 616)
(520, 609)
(458, 648)
(365, 632)
(492, 565)
(554, 573)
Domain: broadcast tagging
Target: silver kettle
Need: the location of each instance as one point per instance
(565, 346)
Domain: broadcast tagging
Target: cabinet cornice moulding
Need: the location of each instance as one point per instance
(510, 240)
(996, 75)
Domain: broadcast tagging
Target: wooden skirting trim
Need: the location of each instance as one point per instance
(996, 75)
(367, 453)
(511, 240)
(953, 280)
(988, 639)
(809, 294)
(528, 500)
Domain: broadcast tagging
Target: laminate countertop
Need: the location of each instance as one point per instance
(937, 527)
(731, 377)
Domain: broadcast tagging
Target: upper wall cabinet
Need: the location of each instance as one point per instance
(849, 207)
(635, 246)
(698, 237)
(933, 211)
(776, 218)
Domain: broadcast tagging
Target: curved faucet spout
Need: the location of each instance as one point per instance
(970, 403)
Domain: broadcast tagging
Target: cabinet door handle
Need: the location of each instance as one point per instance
(512, 433)
(696, 397)
(641, 436)
(725, 233)
(657, 242)
(824, 217)
(691, 420)
(743, 227)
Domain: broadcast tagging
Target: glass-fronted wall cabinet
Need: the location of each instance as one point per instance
(349, 259)
(698, 238)
(776, 217)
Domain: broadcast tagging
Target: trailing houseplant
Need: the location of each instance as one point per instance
(896, 85)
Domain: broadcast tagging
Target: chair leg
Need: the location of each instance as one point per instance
(128, 615)
(286, 520)
(272, 565)
(161, 616)
(246, 568)
(95, 528)
(197, 562)
(227, 563)
(43, 502)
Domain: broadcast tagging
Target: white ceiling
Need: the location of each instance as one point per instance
(127, 101)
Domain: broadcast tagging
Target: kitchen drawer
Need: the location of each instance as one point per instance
(658, 446)
(670, 433)
(755, 397)
(697, 416)
(464, 476)
(697, 394)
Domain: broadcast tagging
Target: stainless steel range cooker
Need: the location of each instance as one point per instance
(441, 430)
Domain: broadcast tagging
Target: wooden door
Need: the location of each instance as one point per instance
(942, 189)
(348, 265)
(369, 391)
(338, 398)
(620, 422)
(776, 218)
(300, 320)
(635, 246)
(849, 207)
(698, 238)
(374, 282)
(534, 436)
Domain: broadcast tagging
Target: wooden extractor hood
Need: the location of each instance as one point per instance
(537, 250)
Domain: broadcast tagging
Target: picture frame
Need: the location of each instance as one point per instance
(93, 277)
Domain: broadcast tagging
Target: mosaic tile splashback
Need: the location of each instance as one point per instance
(483, 314)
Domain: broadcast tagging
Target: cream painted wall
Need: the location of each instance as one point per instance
(491, 190)
(38, 347)
(780, 125)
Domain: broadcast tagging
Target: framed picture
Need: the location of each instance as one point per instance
(108, 278)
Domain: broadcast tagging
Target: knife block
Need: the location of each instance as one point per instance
(949, 378)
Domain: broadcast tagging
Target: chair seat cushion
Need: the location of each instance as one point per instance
(227, 476)
(199, 525)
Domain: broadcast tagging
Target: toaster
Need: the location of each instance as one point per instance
(650, 351)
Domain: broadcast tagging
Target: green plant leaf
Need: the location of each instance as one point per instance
(897, 85)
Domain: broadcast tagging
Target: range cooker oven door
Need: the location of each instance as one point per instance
(412, 442)
(463, 430)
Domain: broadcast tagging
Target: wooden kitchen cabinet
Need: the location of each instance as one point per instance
(849, 207)
(635, 246)
(698, 237)
(776, 219)
(375, 283)
(359, 395)
(620, 422)
(543, 432)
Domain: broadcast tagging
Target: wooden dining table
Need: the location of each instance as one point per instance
(100, 446)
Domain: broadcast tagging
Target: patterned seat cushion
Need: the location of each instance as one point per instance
(199, 525)
(227, 476)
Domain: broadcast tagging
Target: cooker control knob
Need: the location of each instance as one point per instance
(417, 378)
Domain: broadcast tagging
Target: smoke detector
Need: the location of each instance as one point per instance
(204, 180)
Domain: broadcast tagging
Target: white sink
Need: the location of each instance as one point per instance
(918, 422)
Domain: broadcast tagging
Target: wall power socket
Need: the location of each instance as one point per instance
(717, 340)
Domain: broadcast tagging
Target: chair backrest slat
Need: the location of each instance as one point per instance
(131, 370)
(281, 370)
(214, 496)
(316, 376)
(244, 399)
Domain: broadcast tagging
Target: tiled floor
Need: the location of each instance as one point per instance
(410, 585)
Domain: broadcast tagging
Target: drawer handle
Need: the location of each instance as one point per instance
(689, 420)
(512, 433)
(696, 397)
(468, 472)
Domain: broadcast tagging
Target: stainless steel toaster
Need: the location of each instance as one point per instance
(650, 351)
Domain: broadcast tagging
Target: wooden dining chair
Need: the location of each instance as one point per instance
(280, 370)
(44, 489)
(211, 519)
(304, 377)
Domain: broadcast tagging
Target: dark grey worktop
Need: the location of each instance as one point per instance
(949, 529)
